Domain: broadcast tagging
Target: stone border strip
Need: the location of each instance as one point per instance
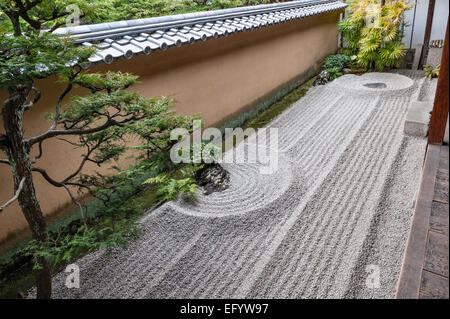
(413, 261)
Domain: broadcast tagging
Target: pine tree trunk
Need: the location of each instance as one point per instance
(19, 158)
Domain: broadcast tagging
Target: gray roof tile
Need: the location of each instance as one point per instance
(125, 39)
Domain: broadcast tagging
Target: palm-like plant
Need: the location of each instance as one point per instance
(373, 32)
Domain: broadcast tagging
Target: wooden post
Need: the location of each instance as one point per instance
(440, 108)
(426, 38)
(342, 36)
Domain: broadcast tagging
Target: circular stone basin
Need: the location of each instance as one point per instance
(376, 85)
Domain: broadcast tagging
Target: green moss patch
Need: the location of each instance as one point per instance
(277, 108)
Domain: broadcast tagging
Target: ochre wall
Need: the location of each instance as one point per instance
(218, 78)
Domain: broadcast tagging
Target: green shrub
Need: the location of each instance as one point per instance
(172, 187)
(373, 32)
(339, 61)
(116, 10)
(431, 72)
(334, 73)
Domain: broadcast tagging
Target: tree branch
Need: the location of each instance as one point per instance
(83, 217)
(52, 133)
(65, 186)
(4, 161)
(16, 195)
(47, 177)
(23, 13)
(62, 184)
(31, 4)
(3, 140)
(37, 96)
(70, 142)
(60, 24)
(55, 183)
(60, 100)
(39, 154)
(14, 18)
(58, 106)
(85, 159)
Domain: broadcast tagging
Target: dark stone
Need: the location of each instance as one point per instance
(213, 178)
(434, 285)
(436, 256)
(439, 220)
(425, 296)
(322, 78)
(376, 85)
(346, 70)
(354, 71)
(441, 186)
(443, 163)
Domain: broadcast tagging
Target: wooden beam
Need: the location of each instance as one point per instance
(440, 108)
(426, 38)
(342, 36)
(408, 285)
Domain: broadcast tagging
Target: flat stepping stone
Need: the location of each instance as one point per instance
(418, 119)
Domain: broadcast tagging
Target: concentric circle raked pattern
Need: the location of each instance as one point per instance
(345, 165)
(253, 185)
(375, 84)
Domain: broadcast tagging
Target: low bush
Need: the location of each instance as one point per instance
(334, 73)
(431, 72)
(337, 61)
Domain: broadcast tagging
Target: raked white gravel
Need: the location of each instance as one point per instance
(340, 200)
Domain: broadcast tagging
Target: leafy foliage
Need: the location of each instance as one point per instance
(181, 180)
(26, 58)
(102, 123)
(42, 14)
(98, 11)
(147, 119)
(60, 251)
(114, 10)
(431, 72)
(170, 187)
(334, 73)
(339, 61)
(373, 32)
(334, 64)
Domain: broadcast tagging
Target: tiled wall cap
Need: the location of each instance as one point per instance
(125, 39)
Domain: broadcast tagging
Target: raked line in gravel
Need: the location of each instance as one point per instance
(302, 232)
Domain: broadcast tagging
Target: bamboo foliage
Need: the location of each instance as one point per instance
(373, 32)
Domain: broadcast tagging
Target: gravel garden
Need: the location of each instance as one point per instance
(346, 176)
(337, 203)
